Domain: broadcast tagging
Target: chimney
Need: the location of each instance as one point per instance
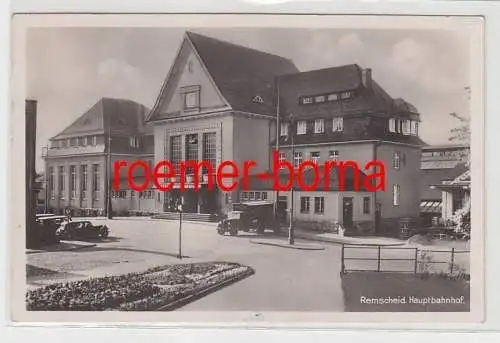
(366, 77)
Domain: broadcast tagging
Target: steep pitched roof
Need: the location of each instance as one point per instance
(242, 73)
(121, 114)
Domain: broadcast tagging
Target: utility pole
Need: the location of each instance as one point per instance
(291, 238)
(179, 209)
(109, 211)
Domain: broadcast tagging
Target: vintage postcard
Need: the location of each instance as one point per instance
(247, 169)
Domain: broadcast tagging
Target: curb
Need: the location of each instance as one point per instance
(284, 245)
(338, 241)
(190, 298)
(39, 251)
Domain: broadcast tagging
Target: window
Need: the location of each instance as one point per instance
(307, 100)
(209, 148)
(175, 150)
(297, 159)
(338, 124)
(264, 195)
(134, 142)
(94, 140)
(72, 172)
(96, 180)
(282, 158)
(396, 190)
(315, 156)
(319, 205)
(406, 127)
(320, 98)
(192, 147)
(333, 97)
(345, 95)
(366, 205)
(251, 196)
(85, 140)
(190, 100)
(257, 195)
(61, 182)
(244, 196)
(392, 125)
(396, 162)
(319, 126)
(301, 127)
(283, 129)
(51, 182)
(414, 128)
(304, 204)
(334, 155)
(84, 177)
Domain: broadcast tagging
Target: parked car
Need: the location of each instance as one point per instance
(82, 229)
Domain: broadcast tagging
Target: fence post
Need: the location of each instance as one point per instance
(416, 260)
(342, 266)
(378, 259)
(452, 260)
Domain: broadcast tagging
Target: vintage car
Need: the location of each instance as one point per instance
(43, 231)
(82, 229)
(252, 215)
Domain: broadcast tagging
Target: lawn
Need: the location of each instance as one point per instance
(159, 288)
(404, 292)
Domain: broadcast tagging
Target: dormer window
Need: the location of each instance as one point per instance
(345, 95)
(301, 127)
(319, 126)
(258, 99)
(134, 142)
(333, 97)
(307, 100)
(338, 124)
(320, 98)
(414, 128)
(283, 129)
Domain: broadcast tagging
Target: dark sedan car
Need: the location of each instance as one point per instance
(81, 230)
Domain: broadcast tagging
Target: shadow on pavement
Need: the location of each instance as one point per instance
(161, 253)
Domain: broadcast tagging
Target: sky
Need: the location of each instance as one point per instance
(70, 69)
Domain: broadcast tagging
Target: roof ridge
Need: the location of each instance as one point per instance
(189, 33)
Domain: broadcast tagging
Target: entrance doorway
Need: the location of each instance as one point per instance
(347, 212)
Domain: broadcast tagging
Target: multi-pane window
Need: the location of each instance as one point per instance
(264, 195)
(134, 142)
(338, 124)
(305, 204)
(210, 148)
(84, 176)
(94, 140)
(175, 150)
(257, 195)
(333, 97)
(301, 127)
(72, 184)
(333, 155)
(96, 180)
(315, 156)
(319, 205)
(297, 159)
(307, 100)
(61, 182)
(51, 182)
(366, 205)
(282, 157)
(243, 196)
(392, 125)
(319, 98)
(319, 126)
(284, 129)
(396, 194)
(191, 150)
(406, 127)
(191, 100)
(414, 128)
(251, 196)
(396, 162)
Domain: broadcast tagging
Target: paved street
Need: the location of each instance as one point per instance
(285, 279)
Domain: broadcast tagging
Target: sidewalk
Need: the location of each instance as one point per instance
(335, 238)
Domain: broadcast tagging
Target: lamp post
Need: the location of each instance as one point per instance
(179, 209)
(109, 210)
(291, 238)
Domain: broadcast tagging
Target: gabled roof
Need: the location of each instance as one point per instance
(121, 114)
(433, 177)
(241, 73)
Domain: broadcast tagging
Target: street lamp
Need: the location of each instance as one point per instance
(291, 238)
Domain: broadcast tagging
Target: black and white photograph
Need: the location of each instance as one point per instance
(314, 167)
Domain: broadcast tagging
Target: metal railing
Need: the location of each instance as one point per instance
(413, 261)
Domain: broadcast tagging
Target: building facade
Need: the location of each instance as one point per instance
(224, 102)
(79, 161)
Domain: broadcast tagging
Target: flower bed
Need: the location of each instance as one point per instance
(149, 290)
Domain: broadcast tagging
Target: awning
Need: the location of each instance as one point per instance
(433, 206)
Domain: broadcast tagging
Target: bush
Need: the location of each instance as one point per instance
(148, 290)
